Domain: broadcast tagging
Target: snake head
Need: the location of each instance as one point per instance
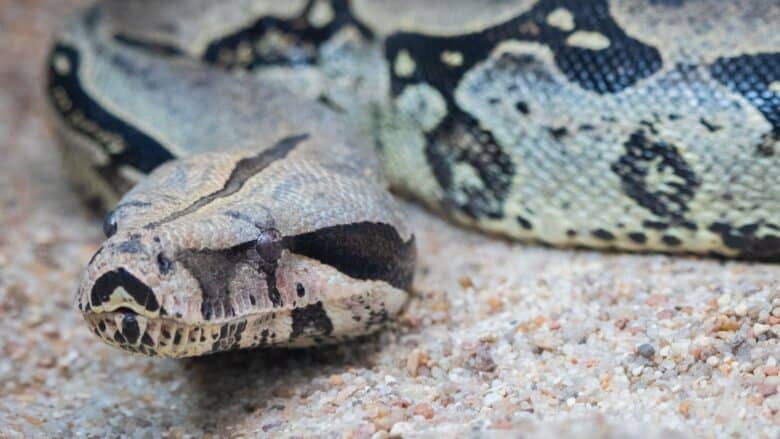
(210, 253)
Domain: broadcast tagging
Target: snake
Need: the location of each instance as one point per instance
(250, 154)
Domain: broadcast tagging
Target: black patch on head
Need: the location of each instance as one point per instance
(643, 156)
(302, 39)
(638, 237)
(310, 321)
(373, 251)
(109, 281)
(745, 240)
(300, 290)
(140, 150)
(177, 337)
(213, 270)
(522, 107)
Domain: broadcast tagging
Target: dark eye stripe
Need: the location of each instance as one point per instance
(373, 251)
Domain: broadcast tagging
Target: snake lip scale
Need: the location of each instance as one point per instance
(245, 148)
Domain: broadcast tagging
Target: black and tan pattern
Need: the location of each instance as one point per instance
(261, 134)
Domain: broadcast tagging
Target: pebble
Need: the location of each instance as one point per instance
(646, 350)
(767, 389)
(760, 328)
(401, 429)
(425, 410)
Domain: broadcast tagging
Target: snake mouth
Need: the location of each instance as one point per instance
(126, 329)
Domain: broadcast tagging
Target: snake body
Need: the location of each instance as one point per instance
(254, 141)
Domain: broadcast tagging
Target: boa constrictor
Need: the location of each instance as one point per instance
(258, 138)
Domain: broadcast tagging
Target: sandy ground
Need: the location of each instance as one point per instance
(501, 339)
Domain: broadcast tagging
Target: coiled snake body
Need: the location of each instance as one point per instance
(262, 135)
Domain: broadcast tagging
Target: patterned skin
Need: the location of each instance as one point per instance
(262, 136)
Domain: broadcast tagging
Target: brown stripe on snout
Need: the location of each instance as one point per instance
(244, 170)
(365, 250)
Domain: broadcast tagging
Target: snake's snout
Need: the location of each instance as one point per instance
(119, 288)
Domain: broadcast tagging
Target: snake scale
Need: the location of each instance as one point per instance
(252, 144)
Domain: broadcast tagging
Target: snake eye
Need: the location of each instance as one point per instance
(109, 225)
(269, 245)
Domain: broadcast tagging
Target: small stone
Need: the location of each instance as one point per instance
(724, 300)
(665, 351)
(776, 312)
(655, 300)
(685, 408)
(425, 410)
(646, 350)
(760, 328)
(767, 389)
(741, 309)
(336, 380)
(495, 304)
(401, 429)
(465, 282)
(713, 361)
(637, 370)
